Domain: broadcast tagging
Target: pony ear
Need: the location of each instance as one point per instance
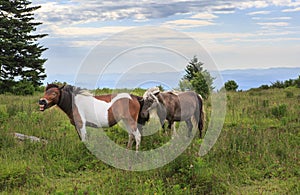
(156, 93)
(62, 87)
(154, 96)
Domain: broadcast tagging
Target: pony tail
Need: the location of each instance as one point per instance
(201, 122)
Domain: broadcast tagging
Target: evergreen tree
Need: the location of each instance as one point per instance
(297, 82)
(20, 54)
(231, 85)
(197, 78)
(193, 68)
(200, 85)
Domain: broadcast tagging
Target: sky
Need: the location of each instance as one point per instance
(230, 34)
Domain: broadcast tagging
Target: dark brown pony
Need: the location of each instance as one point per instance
(175, 106)
(84, 109)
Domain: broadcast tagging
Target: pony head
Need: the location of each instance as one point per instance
(150, 100)
(51, 96)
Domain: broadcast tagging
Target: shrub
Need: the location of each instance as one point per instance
(265, 103)
(278, 84)
(3, 113)
(231, 85)
(23, 88)
(289, 94)
(279, 111)
(264, 87)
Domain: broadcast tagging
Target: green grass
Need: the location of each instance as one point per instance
(257, 152)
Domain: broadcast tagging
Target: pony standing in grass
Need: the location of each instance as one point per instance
(84, 109)
(175, 106)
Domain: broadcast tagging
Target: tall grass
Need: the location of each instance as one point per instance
(256, 153)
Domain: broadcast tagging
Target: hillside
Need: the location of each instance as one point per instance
(257, 152)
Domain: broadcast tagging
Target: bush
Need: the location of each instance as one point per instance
(264, 87)
(289, 94)
(278, 84)
(279, 111)
(231, 85)
(23, 88)
(3, 113)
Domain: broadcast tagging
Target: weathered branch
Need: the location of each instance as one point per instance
(31, 138)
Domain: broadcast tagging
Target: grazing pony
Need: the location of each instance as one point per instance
(96, 111)
(175, 106)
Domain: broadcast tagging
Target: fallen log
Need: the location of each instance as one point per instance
(30, 137)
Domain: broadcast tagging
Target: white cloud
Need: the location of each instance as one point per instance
(187, 23)
(275, 18)
(259, 13)
(243, 37)
(274, 24)
(251, 4)
(70, 12)
(297, 9)
(204, 16)
(86, 31)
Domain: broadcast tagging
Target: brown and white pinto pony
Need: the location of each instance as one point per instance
(175, 106)
(84, 109)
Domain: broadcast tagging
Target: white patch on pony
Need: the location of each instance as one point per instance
(175, 92)
(95, 111)
(85, 92)
(137, 136)
(120, 96)
(150, 91)
(83, 133)
(200, 96)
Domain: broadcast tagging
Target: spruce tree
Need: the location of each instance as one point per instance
(197, 78)
(20, 54)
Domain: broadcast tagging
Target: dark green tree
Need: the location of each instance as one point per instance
(197, 78)
(231, 85)
(193, 68)
(297, 82)
(161, 88)
(199, 84)
(20, 54)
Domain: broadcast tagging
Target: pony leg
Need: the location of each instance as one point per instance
(133, 131)
(130, 141)
(83, 133)
(81, 130)
(173, 128)
(138, 138)
(137, 135)
(190, 127)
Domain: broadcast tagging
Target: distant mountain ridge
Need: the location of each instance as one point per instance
(245, 78)
(253, 78)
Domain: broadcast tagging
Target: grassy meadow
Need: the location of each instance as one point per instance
(258, 152)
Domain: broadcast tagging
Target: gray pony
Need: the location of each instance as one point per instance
(175, 106)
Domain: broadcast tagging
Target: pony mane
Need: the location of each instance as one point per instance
(49, 86)
(84, 92)
(173, 92)
(71, 89)
(149, 91)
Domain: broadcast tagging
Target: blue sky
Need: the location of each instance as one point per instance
(236, 34)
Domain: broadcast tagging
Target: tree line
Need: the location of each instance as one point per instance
(283, 84)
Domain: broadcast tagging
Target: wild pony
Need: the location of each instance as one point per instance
(175, 106)
(83, 109)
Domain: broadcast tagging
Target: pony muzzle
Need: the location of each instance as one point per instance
(43, 104)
